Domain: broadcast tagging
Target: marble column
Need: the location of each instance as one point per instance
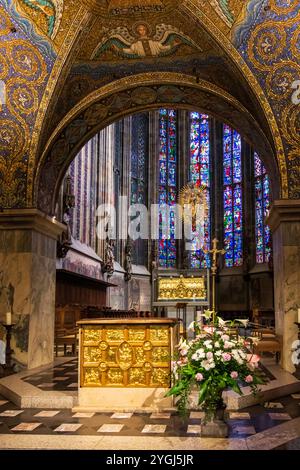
(284, 221)
(27, 282)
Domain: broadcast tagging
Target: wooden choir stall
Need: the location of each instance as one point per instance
(125, 364)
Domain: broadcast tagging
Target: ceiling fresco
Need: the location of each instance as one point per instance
(53, 53)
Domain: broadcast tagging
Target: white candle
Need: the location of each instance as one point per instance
(8, 318)
(298, 315)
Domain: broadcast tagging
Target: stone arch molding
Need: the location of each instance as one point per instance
(135, 94)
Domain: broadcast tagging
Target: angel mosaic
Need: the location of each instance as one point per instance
(166, 41)
(47, 11)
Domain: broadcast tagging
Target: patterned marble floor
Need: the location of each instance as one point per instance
(242, 424)
(62, 377)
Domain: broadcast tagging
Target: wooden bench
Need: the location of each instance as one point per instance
(66, 338)
(268, 341)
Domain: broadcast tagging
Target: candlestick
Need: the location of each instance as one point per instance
(8, 318)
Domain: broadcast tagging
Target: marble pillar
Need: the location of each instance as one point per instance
(27, 282)
(284, 221)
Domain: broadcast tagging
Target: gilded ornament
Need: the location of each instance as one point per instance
(91, 376)
(103, 366)
(161, 377)
(114, 335)
(124, 356)
(27, 60)
(181, 288)
(92, 336)
(160, 354)
(280, 79)
(291, 124)
(5, 24)
(103, 345)
(286, 9)
(147, 367)
(23, 97)
(147, 346)
(266, 44)
(136, 334)
(4, 66)
(12, 138)
(159, 334)
(140, 356)
(123, 8)
(137, 377)
(91, 354)
(114, 377)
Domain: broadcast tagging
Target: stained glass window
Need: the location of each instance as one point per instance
(167, 186)
(232, 197)
(262, 205)
(139, 149)
(200, 175)
(138, 173)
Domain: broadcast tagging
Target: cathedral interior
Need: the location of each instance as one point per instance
(109, 110)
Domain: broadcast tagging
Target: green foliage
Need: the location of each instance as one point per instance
(213, 362)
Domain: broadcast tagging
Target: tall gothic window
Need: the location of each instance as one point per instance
(139, 150)
(167, 186)
(232, 197)
(138, 175)
(262, 204)
(200, 175)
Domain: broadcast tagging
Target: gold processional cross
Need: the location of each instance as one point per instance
(214, 266)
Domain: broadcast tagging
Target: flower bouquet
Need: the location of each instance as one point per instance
(212, 362)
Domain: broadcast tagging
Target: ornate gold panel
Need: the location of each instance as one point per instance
(136, 334)
(160, 377)
(92, 336)
(160, 354)
(137, 376)
(125, 356)
(115, 377)
(91, 376)
(114, 335)
(182, 288)
(92, 354)
(159, 334)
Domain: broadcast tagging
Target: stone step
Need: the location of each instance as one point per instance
(282, 385)
(25, 395)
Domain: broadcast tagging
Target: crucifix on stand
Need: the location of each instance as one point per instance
(214, 266)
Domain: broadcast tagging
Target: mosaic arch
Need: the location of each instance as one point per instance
(246, 54)
(141, 92)
(197, 11)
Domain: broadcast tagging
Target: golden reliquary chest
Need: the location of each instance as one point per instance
(126, 353)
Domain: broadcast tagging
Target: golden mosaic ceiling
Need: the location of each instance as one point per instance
(108, 8)
(44, 39)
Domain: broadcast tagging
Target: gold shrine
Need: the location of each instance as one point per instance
(180, 288)
(125, 363)
(120, 353)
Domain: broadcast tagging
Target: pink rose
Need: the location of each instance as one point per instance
(253, 359)
(209, 355)
(209, 329)
(234, 375)
(227, 345)
(226, 357)
(199, 377)
(225, 337)
(249, 379)
(183, 352)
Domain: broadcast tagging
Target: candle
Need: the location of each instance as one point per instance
(8, 318)
(298, 315)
